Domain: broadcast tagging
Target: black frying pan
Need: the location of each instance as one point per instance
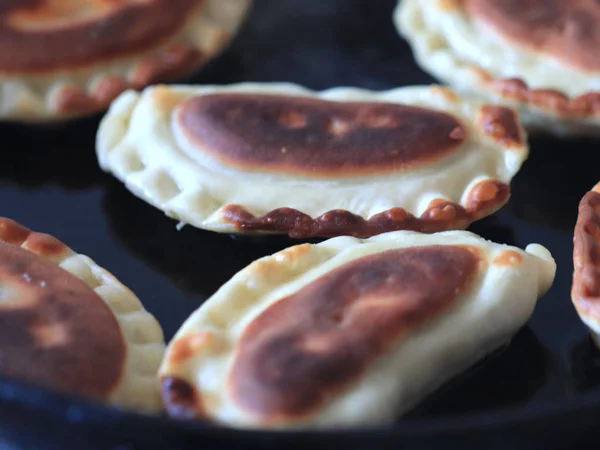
(539, 392)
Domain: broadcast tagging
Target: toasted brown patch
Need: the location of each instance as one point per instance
(508, 258)
(566, 30)
(189, 346)
(501, 124)
(41, 244)
(449, 5)
(305, 348)
(181, 398)
(585, 291)
(485, 198)
(45, 245)
(169, 63)
(55, 330)
(445, 92)
(315, 137)
(12, 232)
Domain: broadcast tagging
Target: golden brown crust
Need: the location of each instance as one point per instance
(501, 124)
(508, 258)
(41, 244)
(484, 198)
(546, 99)
(306, 347)
(310, 137)
(566, 30)
(47, 35)
(585, 292)
(180, 398)
(56, 331)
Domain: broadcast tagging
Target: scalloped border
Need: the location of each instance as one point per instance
(485, 198)
(142, 334)
(538, 105)
(38, 98)
(585, 291)
(481, 197)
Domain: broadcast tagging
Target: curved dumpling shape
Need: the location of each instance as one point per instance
(349, 332)
(278, 158)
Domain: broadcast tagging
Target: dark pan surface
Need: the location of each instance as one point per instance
(541, 391)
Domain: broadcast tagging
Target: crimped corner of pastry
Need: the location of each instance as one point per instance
(141, 332)
(585, 292)
(542, 109)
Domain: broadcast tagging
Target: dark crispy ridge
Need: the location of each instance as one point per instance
(552, 100)
(180, 398)
(501, 124)
(484, 199)
(585, 291)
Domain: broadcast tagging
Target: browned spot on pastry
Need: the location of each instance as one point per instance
(501, 124)
(305, 348)
(39, 243)
(188, 346)
(314, 137)
(106, 90)
(551, 100)
(12, 232)
(168, 63)
(445, 92)
(171, 63)
(485, 198)
(446, 211)
(42, 35)
(45, 245)
(566, 30)
(586, 257)
(508, 258)
(55, 331)
(74, 100)
(449, 5)
(180, 398)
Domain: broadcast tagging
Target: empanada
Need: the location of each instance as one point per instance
(69, 325)
(278, 158)
(349, 332)
(62, 58)
(540, 55)
(586, 260)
